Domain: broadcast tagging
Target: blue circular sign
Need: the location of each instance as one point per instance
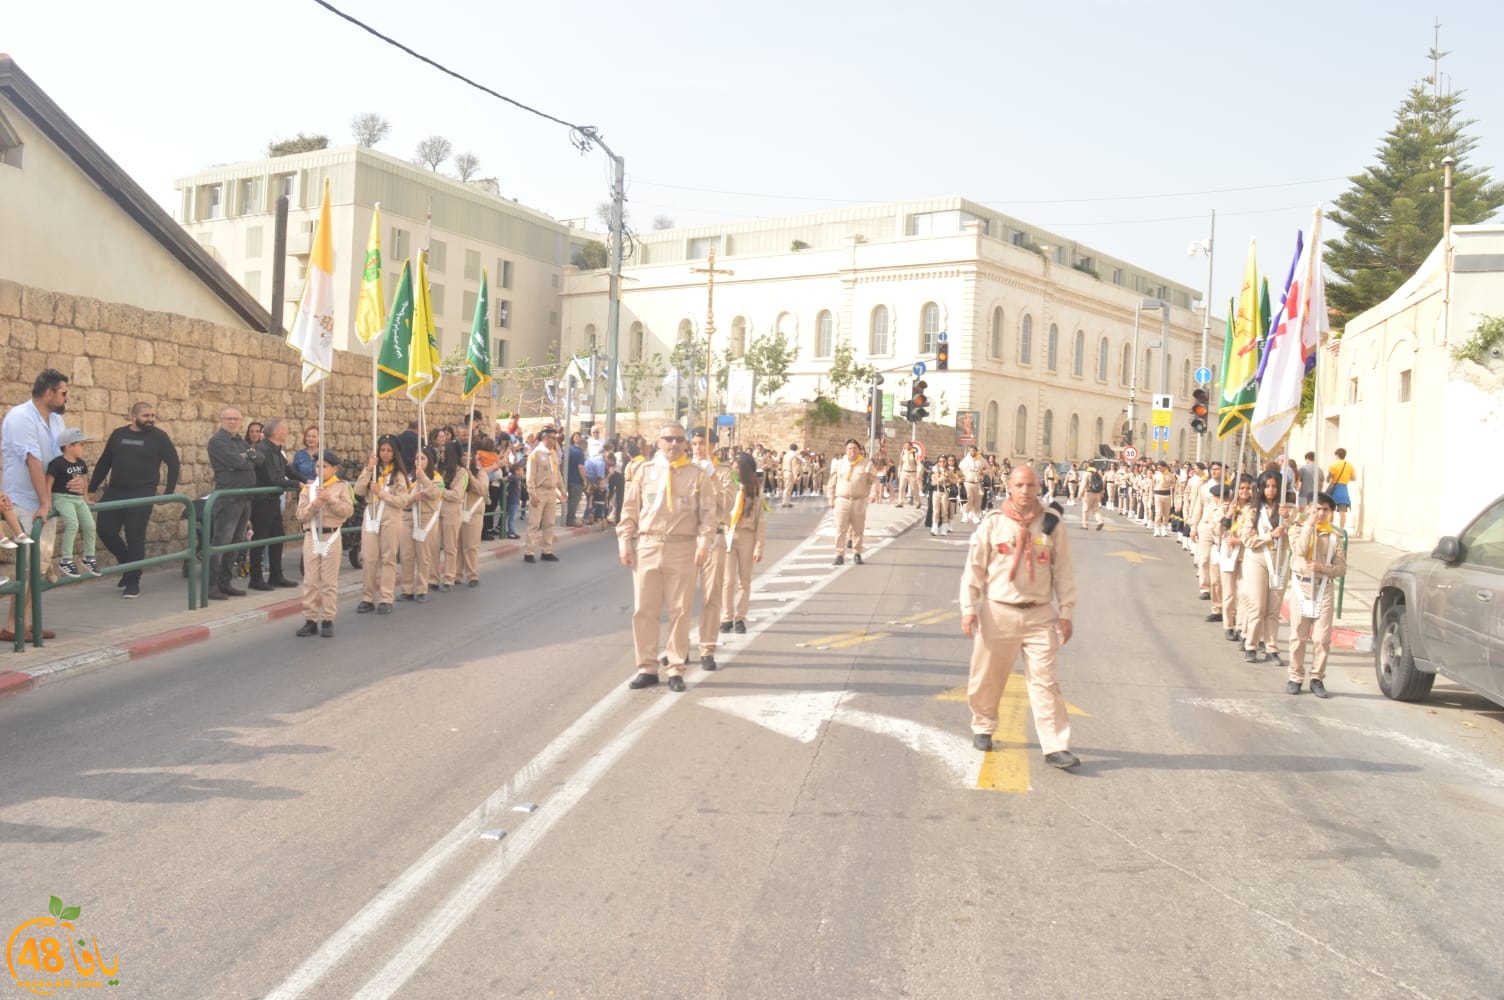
(1203, 376)
(919, 369)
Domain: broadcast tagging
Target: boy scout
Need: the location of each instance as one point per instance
(850, 484)
(322, 508)
(1018, 564)
(721, 485)
(908, 475)
(1318, 562)
(669, 512)
(545, 490)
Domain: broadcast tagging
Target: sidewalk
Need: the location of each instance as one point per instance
(1366, 562)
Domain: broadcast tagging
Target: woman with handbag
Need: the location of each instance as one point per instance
(1338, 477)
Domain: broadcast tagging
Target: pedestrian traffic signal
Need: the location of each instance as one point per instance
(918, 401)
(942, 356)
(1199, 411)
(906, 407)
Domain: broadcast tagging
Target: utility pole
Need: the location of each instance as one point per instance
(584, 137)
(1206, 303)
(710, 272)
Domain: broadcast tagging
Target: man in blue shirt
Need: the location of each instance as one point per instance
(595, 482)
(29, 434)
(576, 480)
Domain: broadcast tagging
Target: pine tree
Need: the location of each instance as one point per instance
(1392, 215)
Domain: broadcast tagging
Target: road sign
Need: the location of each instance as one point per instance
(1130, 454)
(1160, 418)
(726, 420)
(919, 369)
(1203, 376)
(1164, 402)
(942, 337)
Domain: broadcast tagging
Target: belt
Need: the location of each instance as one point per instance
(720, 531)
(1302, 579)
(1023, 605)
(661, 536)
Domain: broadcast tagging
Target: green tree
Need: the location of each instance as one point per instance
(845, 373)
(641, 379)
(1391, 217)
(771, 356)
(591, 257)
(301, 143)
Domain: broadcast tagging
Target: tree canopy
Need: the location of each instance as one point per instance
(369, 128)
(301, 143)
(433, 151)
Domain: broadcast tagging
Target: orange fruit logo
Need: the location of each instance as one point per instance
(46, 955)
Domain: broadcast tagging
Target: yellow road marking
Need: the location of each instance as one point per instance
(841, 637)
(959, 694)
(922, 614)
(1135, 557)
(1006, 768)
(857, 640)
(937, 617)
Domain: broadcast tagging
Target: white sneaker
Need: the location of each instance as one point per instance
(25, 540)
(6, 543)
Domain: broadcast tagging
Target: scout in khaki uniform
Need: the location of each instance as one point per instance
(746, 533)
(972, 467)
(722, 486)
(850, 482)
(1266, 562)
(790, 471)
(385, 487)
(545, 489)
(669, 512)
(419, 543)
(1017, 572)
(1206, 531)
(472, 523)
(908, 475)
(322, 509)
(1230, 556)
(455, 476)
(1318, 563)
(1092, 491)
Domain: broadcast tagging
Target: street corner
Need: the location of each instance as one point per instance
(14, 682)
(1347, 638)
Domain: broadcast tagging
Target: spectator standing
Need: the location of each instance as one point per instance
(266, 511)
(1338, 477)
(407, 444)
(234, 463)
(132, 459)
(616, 484)
(323, 507)
(72, 508)
(576, 480)
(304, 458)
(29, 436)
(595, 484)
(1308, 480)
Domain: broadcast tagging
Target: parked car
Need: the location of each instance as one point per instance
(1443, 613)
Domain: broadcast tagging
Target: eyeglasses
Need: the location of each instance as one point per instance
(667, 438)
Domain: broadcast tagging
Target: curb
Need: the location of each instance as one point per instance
(16, 681)
(1342, 638)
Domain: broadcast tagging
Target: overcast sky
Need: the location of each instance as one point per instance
(1118, 123)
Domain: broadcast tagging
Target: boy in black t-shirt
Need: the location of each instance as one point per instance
(72, 508)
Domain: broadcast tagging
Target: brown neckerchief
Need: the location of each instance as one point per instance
(1023, 546)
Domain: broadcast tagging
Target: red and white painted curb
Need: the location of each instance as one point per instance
(1342, 638)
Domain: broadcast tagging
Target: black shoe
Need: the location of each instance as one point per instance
(282, 581)
(383, 609)
(1232, 635)
(1274, 657)
(228, 589)
(120, 583)
(1099, 525)
(740, 628)
(1215, 616)
(857, 558)
(725, 627)
(258, 585)
(473, 583)
(663, 661)
(549, 557)
(132, 590)
(982, 741)
(676, 683)
(840, 561)
(1318, 688)
(446, 587)
(364, 607)
(1062, 759)
(421, 599)
(1250, 656)
(641, 680)
(1293, 687)
(849, 544)
(310, 627)
(529, 559)
(707, 662)
(404, 597)
(218, 595)
(1205, 597)
(326, 629)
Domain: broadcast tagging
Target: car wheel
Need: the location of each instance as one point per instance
(355, 557)
(1393, 663)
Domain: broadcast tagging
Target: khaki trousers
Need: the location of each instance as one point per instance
(449, 541)
(1232, 605)
(1311, 633)
(974, 499)
(663, 578)
(416, 557)
(541, 516)
(736, 578)
(321, 577)
(711, 583)
(1261, 605)
(851, 522)
(1208, 576)
(908, 488)
(1091, 503)
(1162, 510)
(1003, 633)
(378, 560)
(469, 542)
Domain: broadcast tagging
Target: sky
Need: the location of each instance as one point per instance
(1122, 124)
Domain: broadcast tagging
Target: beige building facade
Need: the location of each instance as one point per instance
(229, 210)
(1040, 330)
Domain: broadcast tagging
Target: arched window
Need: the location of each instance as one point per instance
(1052, 349)
(1185, 379)
(1143, 375)
(825, 334)
(1126, 368)
(929, 326)
(1096, 439)
(686, 331)
(995, 344)
(638, 340)
(590, 344)
(1143, 437)
(1047, 434)
(739, 337)
(1026, 340)
(877, 342)
(1182, 445)
(989, 439)
(1078, 362)
(1073, 439)
(1021, 431)
(1102, 360)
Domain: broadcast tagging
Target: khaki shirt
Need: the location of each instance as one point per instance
(723, 488)
(1327, 550)
(985, 573)
(908, 463)
(790, 465)
(337, 508)
(390, 500)
(543, 473)
(668, 503)
(850, 480)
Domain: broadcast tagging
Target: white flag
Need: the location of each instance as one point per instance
(312, 333)
(1292, 349)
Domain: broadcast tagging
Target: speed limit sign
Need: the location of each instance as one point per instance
(1130, 454)
(919, 447)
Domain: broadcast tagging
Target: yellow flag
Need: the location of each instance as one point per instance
(423, 360)
(370, 311)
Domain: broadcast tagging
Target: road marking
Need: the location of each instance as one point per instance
(937, 617)
(1006, 768)
(1134, 557)
(958, 693)
(858, 640)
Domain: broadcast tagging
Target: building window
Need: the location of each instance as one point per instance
(503, 312)
(877, 342)
(438, 256)
(1078, 355)
(1405, 386)
(253, 238)
(214, 201)
(253, 283)
(1026, 340)
(929, 326)
(499, 356)
(555, 278)
(990, 427)
(1021, 431)
(700, 247)
(739, 337)
(825, 334)
(504, 271)
(400, 244)
(1073, 438)
(995, 341)
(1117, 276)
(553, 319)
(467, 304)
(638, 341)
(1352, 391)
(1102, 360)
(1047, 434)
(472, 265)
(1052, 349)
(286, 186)
(250, 196)
(1096, 438)
(436, 298)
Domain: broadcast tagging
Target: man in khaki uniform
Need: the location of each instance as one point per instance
(545, 489)
(850, 483)
(789, 469)
(1317, 563)
(1018, 564)
(722, 487)
(908, 475)
(1093, 488)
(1207, 578)
(326, 503)
(669, 512)
(972, 467)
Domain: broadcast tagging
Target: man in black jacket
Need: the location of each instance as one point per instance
(132, 459)
(266, 511)
(234, 464)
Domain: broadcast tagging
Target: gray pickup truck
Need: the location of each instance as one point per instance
(1443, 613)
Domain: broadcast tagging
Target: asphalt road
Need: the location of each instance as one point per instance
(262, 816)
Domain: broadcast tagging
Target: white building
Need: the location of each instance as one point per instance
(1040, 329)
(229, 210)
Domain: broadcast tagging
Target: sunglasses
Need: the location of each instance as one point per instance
(679, 438)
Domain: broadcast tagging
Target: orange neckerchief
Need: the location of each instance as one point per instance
(1023, 545)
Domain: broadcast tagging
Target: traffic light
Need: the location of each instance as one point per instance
(918, 401)
(906, 408)
(942, 356)
(1199, 411)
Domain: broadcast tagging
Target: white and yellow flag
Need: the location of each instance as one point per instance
(312, 333)
(370, 311)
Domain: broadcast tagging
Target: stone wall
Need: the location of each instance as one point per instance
(116, 355)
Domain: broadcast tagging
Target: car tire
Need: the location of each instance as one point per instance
(1393, 663)
(355, 557)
